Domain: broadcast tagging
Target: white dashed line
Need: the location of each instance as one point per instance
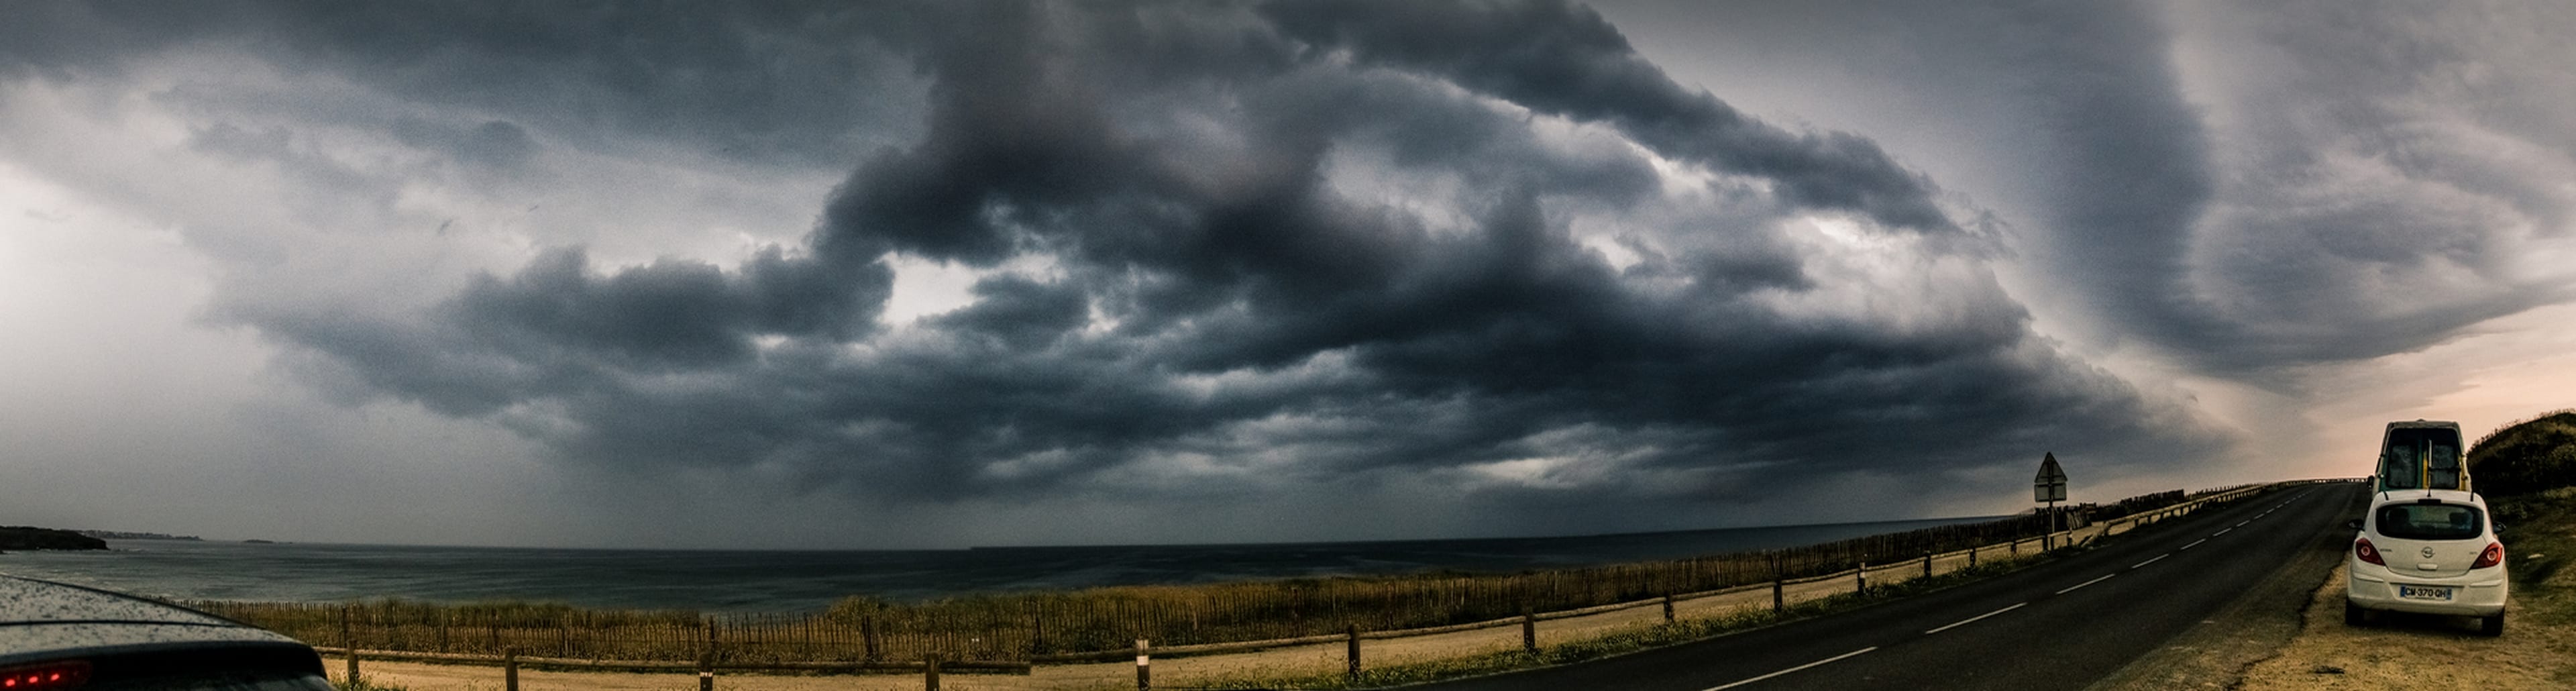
(2240, 524)
(2072, 588)
(2194, 543)
(2221, 531)
(2151, 561)
(1964, 622)
(1835, 658)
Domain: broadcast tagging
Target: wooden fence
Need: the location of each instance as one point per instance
(1023, 626)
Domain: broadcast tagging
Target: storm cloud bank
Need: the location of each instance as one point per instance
(1218, 251)
(1271, 248)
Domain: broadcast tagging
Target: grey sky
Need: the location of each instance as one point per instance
(963, 273)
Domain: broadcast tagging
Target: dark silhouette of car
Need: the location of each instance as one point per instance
(55, 636)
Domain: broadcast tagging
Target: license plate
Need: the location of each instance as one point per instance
(2424, 592)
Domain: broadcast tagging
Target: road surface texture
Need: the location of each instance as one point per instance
(2058, 625)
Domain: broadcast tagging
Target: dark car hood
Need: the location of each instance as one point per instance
(43, 620)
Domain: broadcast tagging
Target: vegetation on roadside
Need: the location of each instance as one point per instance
(366, 683)
(2540, 539)
(2524, 457)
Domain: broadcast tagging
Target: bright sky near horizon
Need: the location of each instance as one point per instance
(948, 274)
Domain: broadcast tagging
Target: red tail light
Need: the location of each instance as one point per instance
(2493, 556)
(55, 675)
(2362, 548)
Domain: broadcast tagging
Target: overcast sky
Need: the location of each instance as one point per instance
(955, 273)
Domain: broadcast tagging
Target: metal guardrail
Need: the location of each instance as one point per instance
(971, 666)
(1861, 573)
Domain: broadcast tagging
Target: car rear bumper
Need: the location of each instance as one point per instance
(2477, 594)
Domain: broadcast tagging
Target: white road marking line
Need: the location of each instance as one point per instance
(2194, 543)
(2221, 531)
(2150, 561)
(2241, 524)
(1963, 622)
(2071, 588)
(1836, 658)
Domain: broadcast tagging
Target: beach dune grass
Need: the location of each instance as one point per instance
(1090, 623)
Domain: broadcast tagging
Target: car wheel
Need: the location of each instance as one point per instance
(2491, 626)
(2353, 615)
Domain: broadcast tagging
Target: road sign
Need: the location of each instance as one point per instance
(2050, 485)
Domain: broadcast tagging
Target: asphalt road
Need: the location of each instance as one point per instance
(2059, 625)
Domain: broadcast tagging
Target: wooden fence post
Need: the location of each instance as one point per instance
(1779, 602)
(349, 643)
(510, 669)
(1144, 666)
(1668, 608)
(1972, 555)
(708, 625)
(930, 671)
(868, 632)
(1355, 653)
(1037, 629)
(1927, 564)
(706, 673)
(1529, 631)
(1860, 578)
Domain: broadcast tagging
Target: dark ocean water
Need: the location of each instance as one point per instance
(792, 581)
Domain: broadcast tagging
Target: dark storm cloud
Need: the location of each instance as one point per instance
(798, 83)
(2397, 201)
(2355, 183)
(1230, 249)
(1565, 60)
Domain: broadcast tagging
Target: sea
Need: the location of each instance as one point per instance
(809, 581)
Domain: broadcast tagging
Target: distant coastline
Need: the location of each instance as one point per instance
(22, 537)
(124, 535)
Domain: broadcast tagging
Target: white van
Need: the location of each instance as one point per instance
(2423, 454)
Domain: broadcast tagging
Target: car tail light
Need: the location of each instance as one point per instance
(51, 675)
(2362, 548)
(2493, 556)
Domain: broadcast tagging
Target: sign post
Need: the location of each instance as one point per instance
(2049, 486)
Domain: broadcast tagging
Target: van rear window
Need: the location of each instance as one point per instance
(2431, 521)
(2420, 458)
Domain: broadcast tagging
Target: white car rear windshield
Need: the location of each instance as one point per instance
(2430, 521)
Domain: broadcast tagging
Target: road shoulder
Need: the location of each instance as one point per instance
(2215, 653)
(2537, 651)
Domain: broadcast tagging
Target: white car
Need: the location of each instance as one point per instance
(2428, 552)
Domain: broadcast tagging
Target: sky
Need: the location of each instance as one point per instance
(908, 275)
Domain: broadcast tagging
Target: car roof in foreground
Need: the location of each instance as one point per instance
(45, 621)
